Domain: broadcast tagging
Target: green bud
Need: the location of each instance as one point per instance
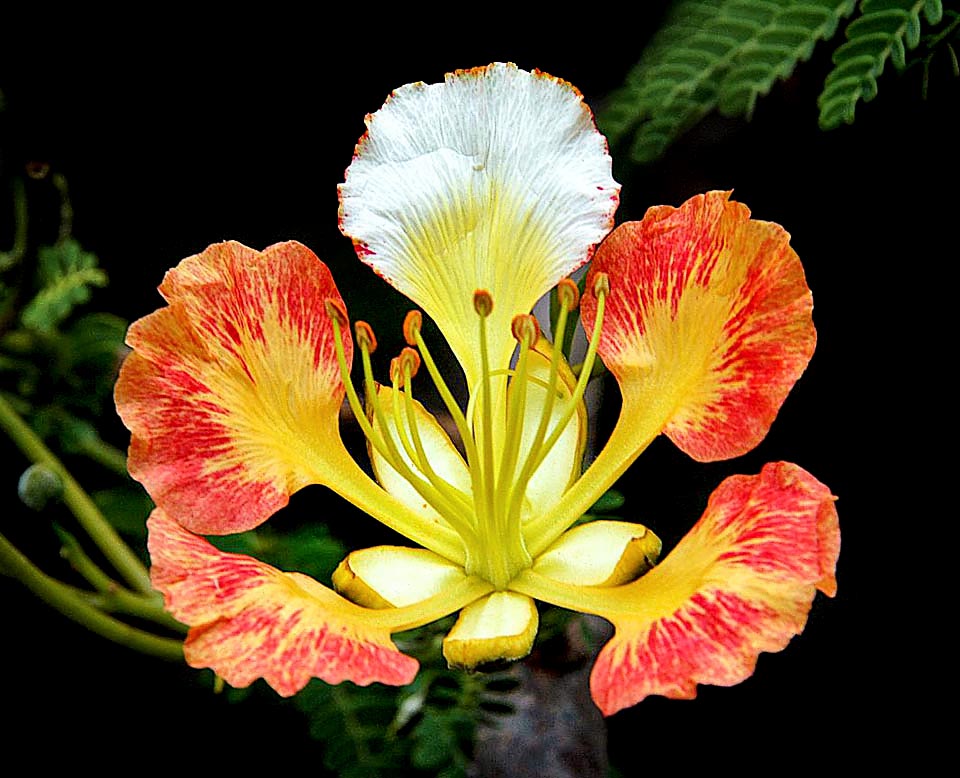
(39, 485)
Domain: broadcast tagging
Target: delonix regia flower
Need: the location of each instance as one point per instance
(475, 197)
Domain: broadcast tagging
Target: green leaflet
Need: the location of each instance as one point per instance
(884, 30)
(66, 273)
(713, 55)
(424, 729)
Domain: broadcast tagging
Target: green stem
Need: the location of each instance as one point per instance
(110, 595)
(74, 605)
(104, 454)
(10, 258)
(79, 502)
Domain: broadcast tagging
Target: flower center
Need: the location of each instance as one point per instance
(506, 438)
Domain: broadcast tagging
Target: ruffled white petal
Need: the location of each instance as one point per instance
(495, 179)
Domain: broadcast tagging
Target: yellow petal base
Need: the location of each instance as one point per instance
(394, 576)
(497, 628)
(601, 553)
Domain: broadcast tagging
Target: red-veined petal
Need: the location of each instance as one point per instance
(232, 391)
(740, 582)
(707, 325)
(249, 620)
(495, 179)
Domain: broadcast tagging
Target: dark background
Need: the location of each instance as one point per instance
(171, 146)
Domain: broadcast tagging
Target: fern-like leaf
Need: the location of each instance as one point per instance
(66, 274)
(712, 55)
(352, 723)
(884, 30)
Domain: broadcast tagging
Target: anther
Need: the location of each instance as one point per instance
(336, 311)
(408, 361)
(366, 340)
(568, 294)
(525, 329)
(483, 302)
(601, 285)
(412, 324)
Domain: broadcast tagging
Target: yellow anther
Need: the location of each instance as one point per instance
(336, 311)
(601, 284)
(412, 324)
(568, 294)
(366, 340)
(525, 329)
(483, 302)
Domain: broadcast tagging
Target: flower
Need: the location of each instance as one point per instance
(474, 197)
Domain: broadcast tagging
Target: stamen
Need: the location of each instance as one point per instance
(483, 303)
(601, 285)
(412, 324)
(568, 295)
(364, 336)
(525, 330)
(409, 361)
(388, 450)
(411, 327)
(601, 288)
(404, 367)
(337, 312)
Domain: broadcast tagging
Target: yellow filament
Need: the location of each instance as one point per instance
(515, 499)
(456, 496)
(438, 500)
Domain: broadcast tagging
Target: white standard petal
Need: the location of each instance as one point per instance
(495, 179)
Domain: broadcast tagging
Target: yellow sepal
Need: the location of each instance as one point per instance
(394, 576)
(601, 553)
(500, 627)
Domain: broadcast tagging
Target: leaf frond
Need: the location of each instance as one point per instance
(885, 29)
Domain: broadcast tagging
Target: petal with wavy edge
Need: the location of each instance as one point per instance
(500, 627)
(707, 325)
(495, 179)
(232, 391)
(600, 553)
(249, 620)
(739, 583)
(394, 576)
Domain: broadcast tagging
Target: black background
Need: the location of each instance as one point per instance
(170, 146)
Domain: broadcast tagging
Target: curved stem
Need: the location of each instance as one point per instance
(111, 596)
(79, 502)
(103, 453)
(75, 606)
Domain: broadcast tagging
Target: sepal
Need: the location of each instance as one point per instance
(601, 553)
(498, 628)
(394, 576)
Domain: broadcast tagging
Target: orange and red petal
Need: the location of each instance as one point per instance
(707, 325)
(232, 392)
(741, 582)
(249, 620)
